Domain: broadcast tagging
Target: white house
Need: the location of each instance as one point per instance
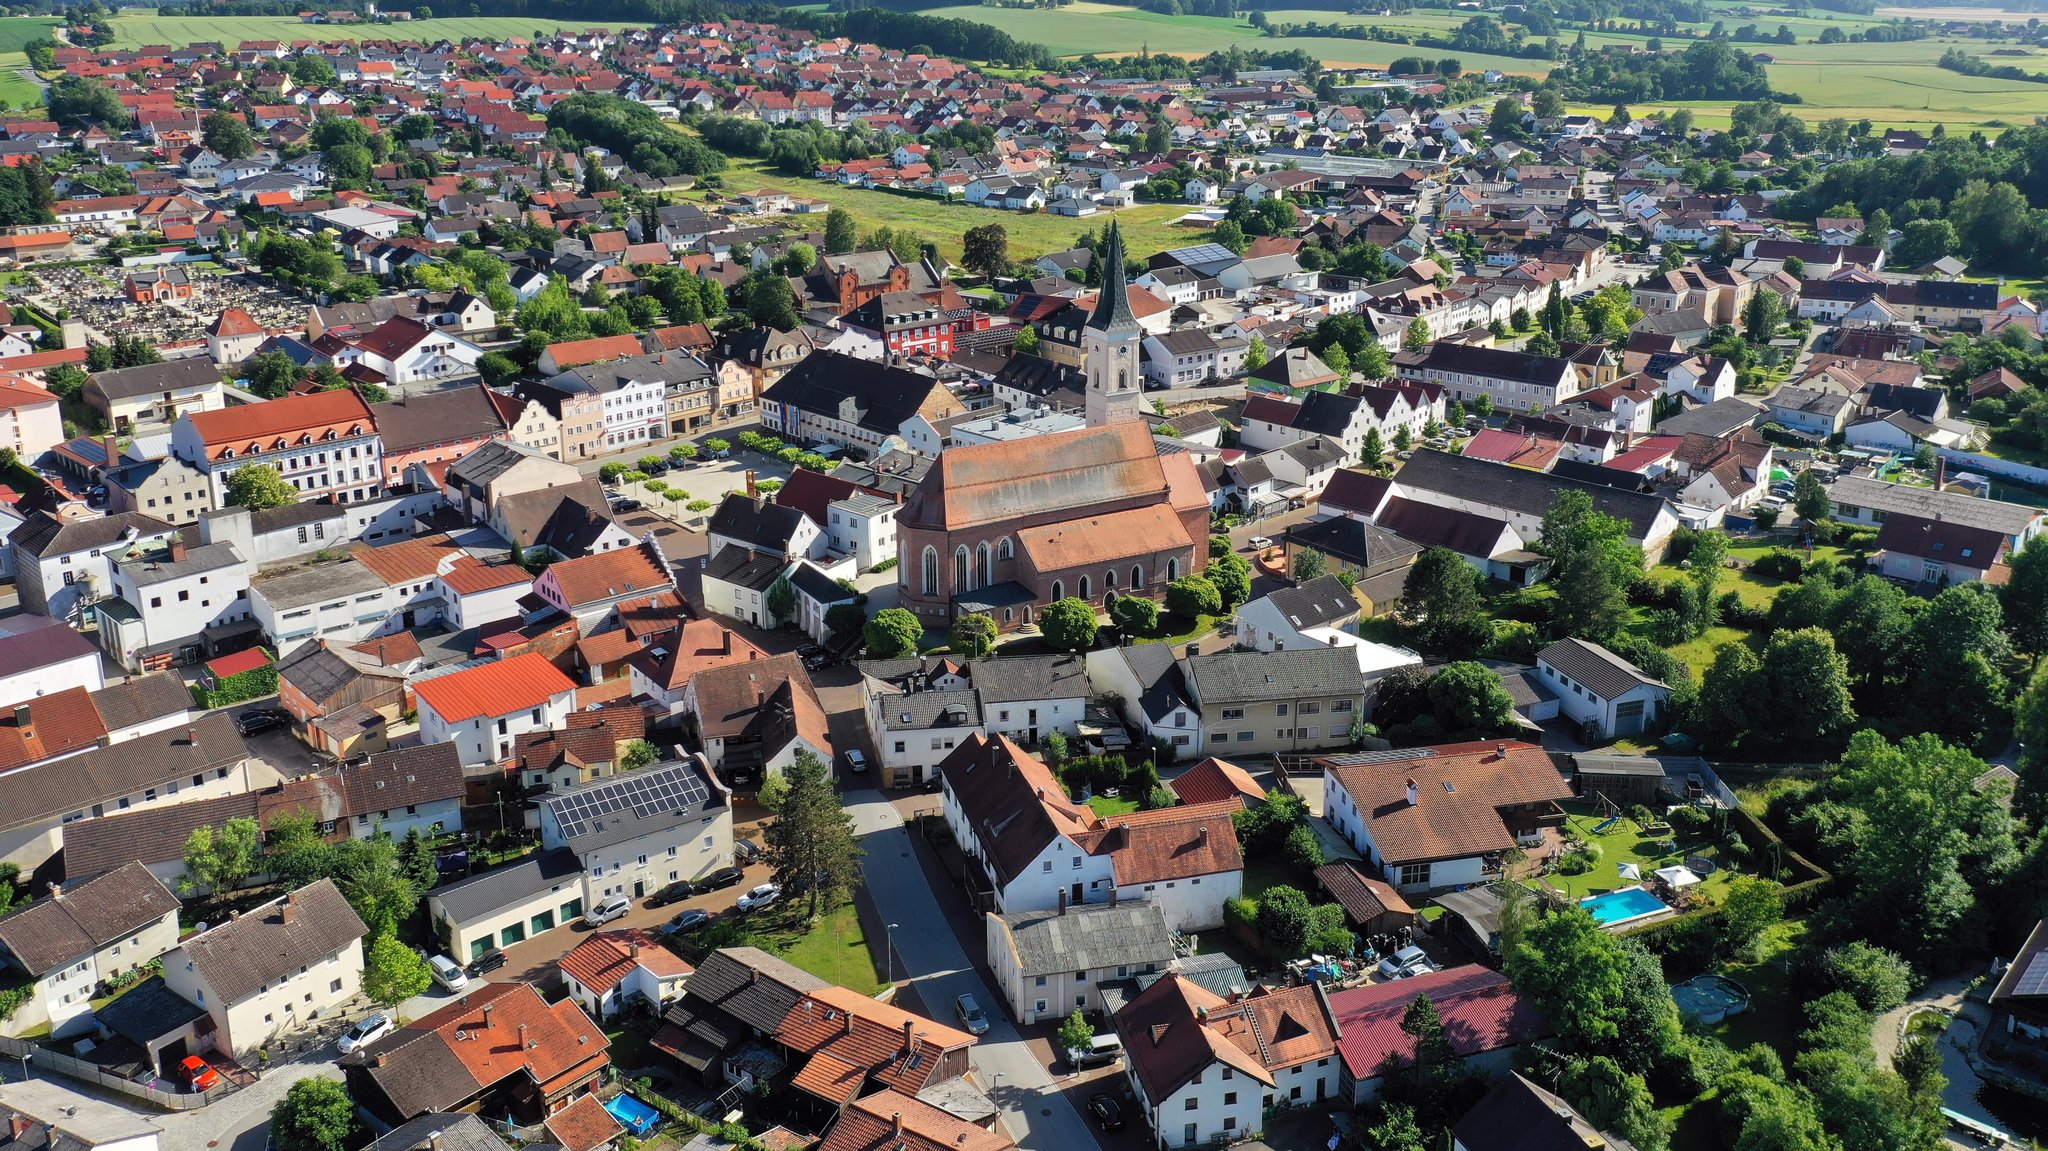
(1154, 693)
(272, 971)
(1600, 691)
(1281, 620)
(1049, 964)
(642, 830)
(613, 968)
(481, 706)
(1430, 821)
(69, 945)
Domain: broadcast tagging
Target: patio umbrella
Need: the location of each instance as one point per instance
(1677, 877)
(1631, 871)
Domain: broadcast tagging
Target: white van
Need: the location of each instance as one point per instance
(1106, 1049)
(446, 973)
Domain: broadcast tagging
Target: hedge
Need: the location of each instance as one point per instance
(255, 683)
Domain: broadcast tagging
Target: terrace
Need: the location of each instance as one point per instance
(1585, 857)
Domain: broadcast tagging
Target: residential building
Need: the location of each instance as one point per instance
(1033, 848)
(1514, 381)
(40, 657)
(1484, 1019)
(324, 444)
(611, 969)
(1607, 696)
(1152, 687)
(1517, 1115)
(50, 1113)
(1869, 502)
(1276, 702)
(1050, 964)
(1296, 617)
(482, 706)
(151, 397)
(831, 398)
(273, 970)
(435, 427)
(29, 421)
(637, 832)
(70, 946)
(1432, 818)
(509, 904)
(63, 567)
(752, 719)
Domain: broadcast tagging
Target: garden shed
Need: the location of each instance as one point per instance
(1625, 779)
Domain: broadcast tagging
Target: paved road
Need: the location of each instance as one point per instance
(925, 947)
(241, 1122)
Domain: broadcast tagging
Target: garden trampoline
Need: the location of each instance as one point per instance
(1710, 998)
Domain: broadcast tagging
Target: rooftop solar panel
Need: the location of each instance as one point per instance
(584, 808)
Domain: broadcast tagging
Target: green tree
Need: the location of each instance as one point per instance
(1308, 564)
(1441, 601)
(1397, 1130)
(1416, 337)
(218, 859)
(810, 844)
(1709, 552)
(1614, 1100)
(227, 134)
(1751, 906)
(841, 233)
(1192, 596)
(393, 972)
(1068, 624)
(1371, 362)
(1232, 576)
(416, 860)
(1762, 316)
(1027, 341)
(1076, 1035)
(1593, 564)
(1256, 354)
(973, 635)
(985, 250)
(258, 487)
(316, 1114)
(1285, 920)
(2024, 598)
(1811, 500)
(780, 602)
(843, 619)
(1135, 615)
(774, 791)
(639, 753)
(770, 302)
(1470, 697)
(1877, 979)
(1570, 967)
(1803, 687)
(1374, 454)
(893, 632)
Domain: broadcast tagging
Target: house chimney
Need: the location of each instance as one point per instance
(487, 1017)
(1202, 839)
(908, 1025)
(1500, 751)
(1414, 794)
(192, 737)
(848, 1017)
(1112, 893)
(177, 549)
(725, 647)
(21, 717)
(753, 493)
(56, 889)
(1063, 901)
(633, 950)
(434, 1141)
(112, 447)
(288, 911)
(760, 695)
(896, 1121)
(522, 1037)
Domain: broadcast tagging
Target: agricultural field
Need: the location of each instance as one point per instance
(1890, 84)
(18, 88)
(1147, 227)
(136, 28)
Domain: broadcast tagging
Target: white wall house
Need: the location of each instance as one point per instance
(1600, 691)
(482, 706)
(272, 971)
(81, 936)
(637, 832)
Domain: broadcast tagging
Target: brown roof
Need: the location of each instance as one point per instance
(1216, 781)
(449, 1056)
(1461, 789)
(77, 921)
(697, 645)
(239, 958)
(1363, 898)
(396, 648)
(591, 737)
(1095, 541)
(731, 698)
(871, 1124)
(403, 776)
(1167, 843)
(104, 774)
(1040, 476)
(583, 1125)
(394, 337)
(1168, 1040)
(408, 561)
(606, 575)
(56, 724)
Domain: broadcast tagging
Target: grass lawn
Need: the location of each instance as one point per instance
(1263, 874)
(630, 1049)
(1698, 652)
(835, 950)
(1775, 1014)
(1626, 843)
(1183, 628)
(135, 28)
(1146, 227)
(1109, 808)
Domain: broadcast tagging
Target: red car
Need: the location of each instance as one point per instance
(198, 1075)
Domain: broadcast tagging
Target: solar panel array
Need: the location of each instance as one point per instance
(641, 792)
(2034, 980)
(1391, 755)
(1202, 253)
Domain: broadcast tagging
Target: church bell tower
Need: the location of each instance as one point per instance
(1110, 344)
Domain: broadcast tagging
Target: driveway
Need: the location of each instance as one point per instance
(1037, 1113)
(240, 1122)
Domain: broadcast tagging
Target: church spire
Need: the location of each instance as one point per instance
(1113, 305)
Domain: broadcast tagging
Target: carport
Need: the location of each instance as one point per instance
(156, 1020)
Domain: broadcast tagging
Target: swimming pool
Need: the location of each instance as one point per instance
(1624, 906)
(633, 1115)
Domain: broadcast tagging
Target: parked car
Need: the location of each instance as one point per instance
(689, 919)
(971, 1015)
(258, 722)
(365, 1032)
(486, 963)
(856, 760)
(607, 911)
(760, 897)
(675, 892)
(745, 850)
(1404, 963)
(446, 973)
(197, 1075)
(1107, 1116)
(1261, 543)
(723, 877)
(627, 505)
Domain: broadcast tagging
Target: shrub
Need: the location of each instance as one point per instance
(1780, 564)
(1877, 979)
(1193, 596)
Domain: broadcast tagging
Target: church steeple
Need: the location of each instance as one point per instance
(1109, 344)
(1113, 307)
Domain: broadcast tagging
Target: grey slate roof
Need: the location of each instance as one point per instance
(438, 417)
(140, 700)
(159, 568)
(1017, 679)
(43, 793)
(270, 943)
(929, 709)
(1315, 603)
(45, 535)
(760, 523)
(151, 1011)
(745, 568)
(441, 1132)
(1717, 419)
(1972, 511)
(1162, 681)
(1232, 676)
(317, 672)
(1089, 937)
(317, 583)
(1600, 671)
(75, 922)
(480, 895)
(146, 379)
(1518, 489)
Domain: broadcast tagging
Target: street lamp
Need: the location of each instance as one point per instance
(891, 947)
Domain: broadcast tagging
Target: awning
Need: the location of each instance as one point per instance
(1630, 871)
(1677, 877)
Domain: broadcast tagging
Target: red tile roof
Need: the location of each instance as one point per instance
(888, 1120)
(592, 578)
(603, 961)
(234, 322)
(576, 353)
(259, 427)
(56, 724)
(1216, 781)
(1480, 1012)
(584, 1124)
(492, 689)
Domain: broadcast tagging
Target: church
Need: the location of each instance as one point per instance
(1004, 529)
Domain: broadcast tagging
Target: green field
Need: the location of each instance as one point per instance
(1146, 227)
(17, 89)
(137, 28)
